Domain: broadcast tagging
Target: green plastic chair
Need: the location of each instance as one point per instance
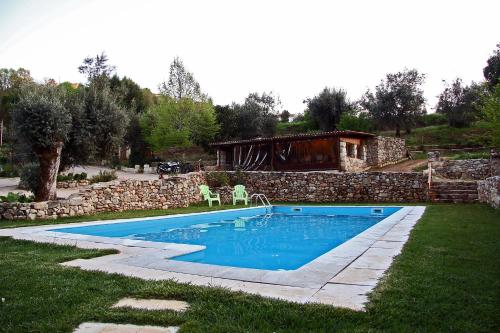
(239, 194)
(208, 195)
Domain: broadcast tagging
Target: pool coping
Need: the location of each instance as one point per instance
(341, 277)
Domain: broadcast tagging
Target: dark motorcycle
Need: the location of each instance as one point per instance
(173, 167)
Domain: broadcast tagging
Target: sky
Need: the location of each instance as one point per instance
(293, 48)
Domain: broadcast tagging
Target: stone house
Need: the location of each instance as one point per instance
(335, 150)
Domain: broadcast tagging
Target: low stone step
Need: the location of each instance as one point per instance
(152, 304)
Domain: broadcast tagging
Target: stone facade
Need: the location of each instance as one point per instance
(462, 169)
(73, 183)
(489, 191)
(171, 192)
(383, 150)
(317, 186)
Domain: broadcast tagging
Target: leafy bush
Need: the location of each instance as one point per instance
(238, 178)
(30, 175)
(103, 176)
(16, 197)
(70, 176)
(217, 179)
(360, 123)
(8, 170)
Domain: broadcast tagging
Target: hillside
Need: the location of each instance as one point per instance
(474, 136)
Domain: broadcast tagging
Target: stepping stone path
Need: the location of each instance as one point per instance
(122, 328)
(152, 304)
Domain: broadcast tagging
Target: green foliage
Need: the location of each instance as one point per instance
(11, 82)
(16, 197)
(492, 70)
(30, 177)
(103, 176)
(179, 123)
(285, 116)
(491, 113)
(356, 122)
(398, 101)
(217, 179)
(41, 117)
(108, 120)
(460, 103)
(431, 119)
(327, 107)
(70, 176)
(471, 155)
(9, 170)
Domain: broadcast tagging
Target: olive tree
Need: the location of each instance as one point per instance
(398, 100)
(43, 121)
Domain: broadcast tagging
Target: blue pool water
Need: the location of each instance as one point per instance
(286, 239)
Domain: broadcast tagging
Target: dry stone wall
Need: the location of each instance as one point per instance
(463, 169)
(73, 183)
(489, 191)
(383, 150)
(337, 186)
(171, 192)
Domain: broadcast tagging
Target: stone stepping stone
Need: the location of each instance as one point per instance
(152, 304)
(122, 328)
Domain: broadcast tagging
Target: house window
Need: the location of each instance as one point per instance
(351, 150)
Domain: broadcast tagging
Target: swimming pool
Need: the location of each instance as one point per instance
(276, 238)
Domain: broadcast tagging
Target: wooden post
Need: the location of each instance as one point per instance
(272, 156)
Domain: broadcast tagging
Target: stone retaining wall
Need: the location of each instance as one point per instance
(171, 192)
(462, 169)
(73, 183)
(383, 150)
(489, 191)
(337, 187)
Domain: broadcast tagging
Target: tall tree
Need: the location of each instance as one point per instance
(258, 115)
(398, 100)
(460, 103)
(490, 110)
(181, 83)
(11, 82)
(42, 119)
(327, 107)
(97, 68)
(285, 116)
(492, 70)
(179, 123)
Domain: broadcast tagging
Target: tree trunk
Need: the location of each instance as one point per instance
(398, 132)
(49, 166)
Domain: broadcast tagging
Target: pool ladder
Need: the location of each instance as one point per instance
(263, 199)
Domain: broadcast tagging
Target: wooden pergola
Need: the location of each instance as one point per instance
(300, 152)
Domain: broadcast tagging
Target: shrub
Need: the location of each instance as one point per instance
(103, 176)
(30, 175)
(432, 119)
(16, 197)
(217, 179)
(8, 170)
(70, 176)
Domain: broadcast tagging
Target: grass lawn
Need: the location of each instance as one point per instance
(446, 280)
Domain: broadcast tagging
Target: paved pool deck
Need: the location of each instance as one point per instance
(341, 277)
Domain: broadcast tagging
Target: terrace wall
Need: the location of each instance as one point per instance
(172, 192)
(489, 191)
(463, 169)
(320, 186)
